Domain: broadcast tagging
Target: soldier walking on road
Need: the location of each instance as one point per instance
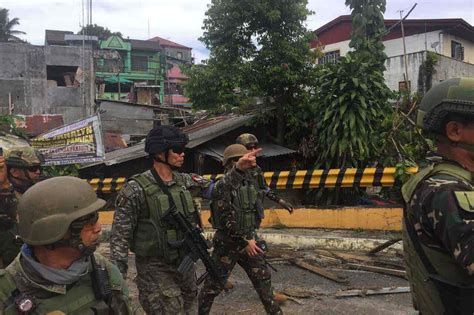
(235, 216)
(57, 271)
(438, 230)
(139, 225)
(20, 168)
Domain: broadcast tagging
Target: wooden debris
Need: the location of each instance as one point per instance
(364, 292)
(298, 292)
(387, 271)
(298, 301)
(382, 246)
(319, 271)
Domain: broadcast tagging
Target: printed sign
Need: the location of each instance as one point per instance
(78, 142)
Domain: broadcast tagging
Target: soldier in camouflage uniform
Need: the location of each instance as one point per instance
(138, 222)
(19, 169)
(57, 271)
(438, 230)
(251, 143)
(235, 216)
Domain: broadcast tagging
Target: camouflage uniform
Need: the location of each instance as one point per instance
(9, 243)
(61, 299)
(439, 206)
(162, 290)
(229, 248)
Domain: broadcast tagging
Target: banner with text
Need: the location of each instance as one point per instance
(78, 142)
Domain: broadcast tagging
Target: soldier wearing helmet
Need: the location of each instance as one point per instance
(236, 218)
(138, 223)
(438, 231)
(20, 168)
(251, 143)
(57, 270)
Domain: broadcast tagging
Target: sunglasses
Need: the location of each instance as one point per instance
(34, 169)
(251, 146)
(177, 150)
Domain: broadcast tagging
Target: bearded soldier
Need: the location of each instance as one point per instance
(20, 168)
(139, 223)
(235, 216)
(57, 271)
(438, 231)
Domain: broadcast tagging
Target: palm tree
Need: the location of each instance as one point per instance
(7, 34)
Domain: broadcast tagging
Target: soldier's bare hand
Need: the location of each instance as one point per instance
(4, 183)
(248, 161)
(252, 249)
(287, 205)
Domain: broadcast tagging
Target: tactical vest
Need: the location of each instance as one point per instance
(152, 236)
(448, 289)
(244, 201)
(78, 300)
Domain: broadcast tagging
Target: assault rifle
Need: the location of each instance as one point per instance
(263, 246)
(195, 244)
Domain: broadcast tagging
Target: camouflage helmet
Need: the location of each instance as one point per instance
(234, 151)
(246, 139)
(47, 209)
(453, 96)
(18, 153)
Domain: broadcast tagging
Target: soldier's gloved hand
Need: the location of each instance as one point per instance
(287, 205)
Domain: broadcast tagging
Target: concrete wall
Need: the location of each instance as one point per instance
(413, 43)
(468, 46)
(445, 68)
(23, 75)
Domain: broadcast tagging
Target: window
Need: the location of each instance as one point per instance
(62, 76)
(179, 55)
(457, 51)
(402, 86)
(139, 63)
(330, 57)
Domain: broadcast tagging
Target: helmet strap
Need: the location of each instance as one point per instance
(465, 146)
(156, 159)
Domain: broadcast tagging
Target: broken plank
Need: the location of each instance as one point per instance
(382, 246)
(364, 292)
(319, 271)
(387, 271)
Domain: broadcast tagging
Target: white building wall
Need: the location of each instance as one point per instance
(445, 68)
(468, 47)
(414, 43)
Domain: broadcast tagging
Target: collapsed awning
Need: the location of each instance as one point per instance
(216, 150)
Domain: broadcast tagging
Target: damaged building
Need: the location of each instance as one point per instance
(50, 79)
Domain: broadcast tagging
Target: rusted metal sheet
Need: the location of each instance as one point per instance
(37, 124)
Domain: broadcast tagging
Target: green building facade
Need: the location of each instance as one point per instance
(123, 63)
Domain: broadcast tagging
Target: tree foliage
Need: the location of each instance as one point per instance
(351, 96)
(352, 101)
(99, 31)
(7, 33)
(260, 47)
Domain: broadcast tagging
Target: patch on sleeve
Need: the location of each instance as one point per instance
(198, 179)
(465, 200)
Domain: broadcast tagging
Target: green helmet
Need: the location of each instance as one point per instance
(453, 96)
(234, 151)
(247, 139)
(47, 209)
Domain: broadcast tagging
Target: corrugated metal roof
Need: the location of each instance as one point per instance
(145, 45)
(168, 43)
(216, 150)
(198, 133)
(54, 37)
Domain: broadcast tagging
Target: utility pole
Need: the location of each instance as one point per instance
(405, 57)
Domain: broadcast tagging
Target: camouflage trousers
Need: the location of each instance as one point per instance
(9, 248)
(227, 256)
(163, 290)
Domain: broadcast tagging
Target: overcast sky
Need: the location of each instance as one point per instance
(181, 20)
